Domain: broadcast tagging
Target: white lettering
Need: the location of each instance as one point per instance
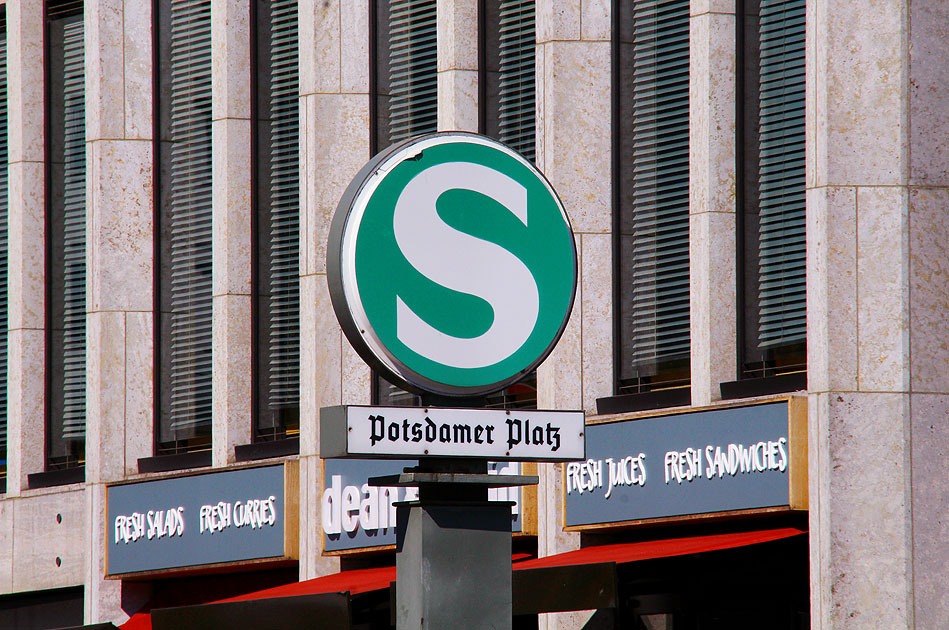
(330, 512)
(351, 496)
(369, 508)
(628, 471)
(472, 266)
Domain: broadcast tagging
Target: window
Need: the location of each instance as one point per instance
(508, 113)
(4, 245)
(404, 73)
(277, 221)
(771, 227)
(651, 188)
(404, 99)
(183, 222)
(507, 73)
(66, 237)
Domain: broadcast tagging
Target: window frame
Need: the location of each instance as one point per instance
(763, 380)
(199, 446)
(64, 12)
(673, 389)
(259, 434)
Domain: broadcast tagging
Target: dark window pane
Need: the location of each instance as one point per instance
(184, 224)
(772, 204)
(652, 179)
(277, 190)
(520, 395)
(508, 76)
(66, 225)
(405, 91)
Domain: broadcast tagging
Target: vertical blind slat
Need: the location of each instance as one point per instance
(73, 255)
(279, 208)
(4, 242)
(413, 86)
(656, 234)
(781, 246)
(186, 354)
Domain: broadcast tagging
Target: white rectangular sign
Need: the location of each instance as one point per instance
(414, 432)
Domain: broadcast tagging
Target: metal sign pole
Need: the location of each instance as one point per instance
(389, 253)
(453, 555)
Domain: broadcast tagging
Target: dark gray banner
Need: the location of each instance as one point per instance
(357, 516)
(202, 519)
(691, 463)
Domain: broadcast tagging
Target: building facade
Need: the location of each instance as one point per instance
(758, 192)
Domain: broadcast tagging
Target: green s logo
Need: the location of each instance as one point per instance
(456, 265)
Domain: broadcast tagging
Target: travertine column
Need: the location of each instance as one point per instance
(712, 180)
(877, 291)
(231, 232)
(573, 151)
(334, 144)
(119, 268)
(27, 305)
(457, 39)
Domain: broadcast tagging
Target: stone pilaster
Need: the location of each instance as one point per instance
(573, 78)
(457, 39)
(119, 270)
(877, 234)
(231, 326)
(334, 144)
(712, 177)
(27, 244)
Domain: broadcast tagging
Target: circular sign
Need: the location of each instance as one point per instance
(452, 266)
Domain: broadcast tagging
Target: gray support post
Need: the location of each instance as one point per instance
(454, 565)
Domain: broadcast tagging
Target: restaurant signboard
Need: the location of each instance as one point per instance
(202, 520)
(709, 462)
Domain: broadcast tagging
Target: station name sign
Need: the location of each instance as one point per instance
(413, 432)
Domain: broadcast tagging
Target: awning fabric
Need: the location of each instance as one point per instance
(621, 553)
(355, 582)
(367, 580)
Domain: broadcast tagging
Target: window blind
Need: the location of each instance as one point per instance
(66, 236)
(781, 244)
(516, 41)
(74, 233)
(4, 238)
(653, 185)
(406, 81)
(508, 113)
(185, 223)
(278, 223)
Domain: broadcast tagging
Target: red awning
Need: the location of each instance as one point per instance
(651, 549)
(366, 580)
(355, 582)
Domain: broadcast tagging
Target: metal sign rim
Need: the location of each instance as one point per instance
(343, 283)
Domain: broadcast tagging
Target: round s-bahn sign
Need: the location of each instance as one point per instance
(452, 266)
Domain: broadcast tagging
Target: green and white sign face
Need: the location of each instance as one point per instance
(452, 265)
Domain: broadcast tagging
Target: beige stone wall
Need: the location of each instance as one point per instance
(878, 291)
(457, 42)
(712, 198)
(119, 271)
(27, 229)
(877, 294)
(334, 144)
(231, 232)
(573, 79)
